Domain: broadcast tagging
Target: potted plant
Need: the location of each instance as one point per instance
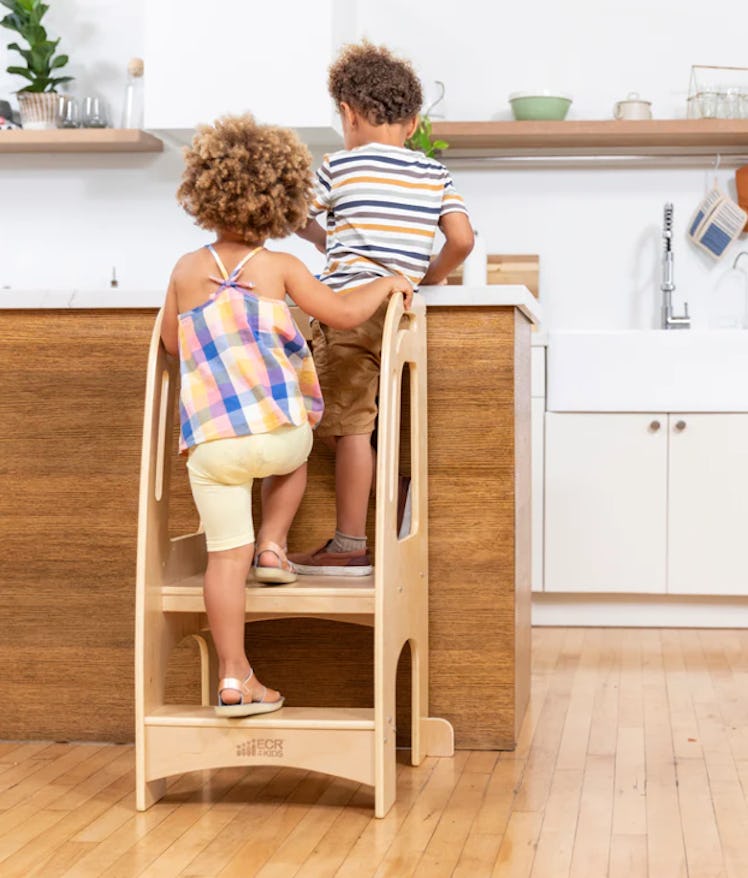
(423, 141)
(38, 99)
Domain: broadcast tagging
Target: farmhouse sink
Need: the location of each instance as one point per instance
(648, 371)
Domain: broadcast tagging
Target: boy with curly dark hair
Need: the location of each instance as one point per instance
(384, 203)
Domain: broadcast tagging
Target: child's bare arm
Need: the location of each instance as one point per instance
(340, 310)
(460, 240)
(314, 233)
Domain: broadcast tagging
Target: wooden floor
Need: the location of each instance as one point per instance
(633, 762)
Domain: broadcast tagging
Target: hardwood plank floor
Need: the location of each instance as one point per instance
(632, 763)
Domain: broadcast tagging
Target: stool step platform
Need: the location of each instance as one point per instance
(320, 596)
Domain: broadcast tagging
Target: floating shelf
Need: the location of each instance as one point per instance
(665, 137)
(80, 140)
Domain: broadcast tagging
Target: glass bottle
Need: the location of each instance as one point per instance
(475, 268)
(132, 108)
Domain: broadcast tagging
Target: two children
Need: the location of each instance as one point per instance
(249, 394)
(249, 391)
(384, 203)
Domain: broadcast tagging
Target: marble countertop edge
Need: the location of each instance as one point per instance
(441, 296)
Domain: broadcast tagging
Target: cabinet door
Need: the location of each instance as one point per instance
(708, 504)
(605, 502)
(204, 60)
(537, 479)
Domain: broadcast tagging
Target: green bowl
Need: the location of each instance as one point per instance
(545, 106)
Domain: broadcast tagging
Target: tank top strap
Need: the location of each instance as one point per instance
(219, 262)
(240, 265)
(230, 280)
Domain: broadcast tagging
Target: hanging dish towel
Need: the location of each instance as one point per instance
(716, 223)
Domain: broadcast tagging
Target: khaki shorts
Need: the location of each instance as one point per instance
(348, 365)
(221, 475)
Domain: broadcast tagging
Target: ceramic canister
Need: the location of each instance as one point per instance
(632, 108)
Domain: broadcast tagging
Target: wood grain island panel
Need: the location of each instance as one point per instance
(72, 401)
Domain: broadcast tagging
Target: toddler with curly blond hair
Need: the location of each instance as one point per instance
(384, 203)
(249, 394)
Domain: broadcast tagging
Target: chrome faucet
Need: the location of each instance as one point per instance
(670, 320)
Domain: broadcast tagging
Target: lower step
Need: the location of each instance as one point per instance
(334, 740)
(285, 718)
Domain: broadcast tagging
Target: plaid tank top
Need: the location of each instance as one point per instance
(245, 367)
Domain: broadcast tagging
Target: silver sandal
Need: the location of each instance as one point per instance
(284, 573)
(242, 707)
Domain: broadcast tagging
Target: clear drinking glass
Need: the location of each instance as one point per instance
(730, 100)
(94, 113)
(68, 113)
(708, 103)
(743, 105)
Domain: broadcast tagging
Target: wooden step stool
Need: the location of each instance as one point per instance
(352, 743)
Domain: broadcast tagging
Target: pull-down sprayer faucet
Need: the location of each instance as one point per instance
(670, 320)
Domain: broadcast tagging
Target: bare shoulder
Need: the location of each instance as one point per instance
(283, 259)
(187, 264)
(287, 263)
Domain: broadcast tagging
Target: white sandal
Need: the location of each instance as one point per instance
(242, 707)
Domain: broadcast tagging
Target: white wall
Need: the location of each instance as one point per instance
(65, 220)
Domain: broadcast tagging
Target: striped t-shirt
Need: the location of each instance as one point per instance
(383, 207)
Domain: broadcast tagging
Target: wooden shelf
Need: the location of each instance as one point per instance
(80, 140)
(672, 137)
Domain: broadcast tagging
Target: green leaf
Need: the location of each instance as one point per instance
(25, 52)
(21, 71)
(60, 61)
(421, 139)
(13, 22)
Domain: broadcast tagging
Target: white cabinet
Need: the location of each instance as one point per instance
(204, 60)
(605, 502)
(537, 431)
(646, 503)
(708, 504)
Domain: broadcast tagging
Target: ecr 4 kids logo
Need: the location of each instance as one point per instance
(265, 747)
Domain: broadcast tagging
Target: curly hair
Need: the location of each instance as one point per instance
(373, 81)
(254, 180)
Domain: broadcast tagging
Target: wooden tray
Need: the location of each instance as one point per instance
(504, 269)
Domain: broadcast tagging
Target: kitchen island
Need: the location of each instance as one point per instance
(73, 399)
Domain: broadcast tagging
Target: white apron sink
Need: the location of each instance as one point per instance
(682, 370)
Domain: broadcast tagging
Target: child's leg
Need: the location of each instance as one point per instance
(221, 485)
(225, 580)
(354, 473)
(281, 496)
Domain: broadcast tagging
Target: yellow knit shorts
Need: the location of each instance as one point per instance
(221, 474)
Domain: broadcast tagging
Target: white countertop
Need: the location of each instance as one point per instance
(497, 295)
(442, 296)
(32, 300)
